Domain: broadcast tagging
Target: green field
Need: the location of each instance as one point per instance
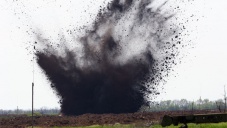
(211, 125)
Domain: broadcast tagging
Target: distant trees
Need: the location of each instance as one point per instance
(167, 105)
(183, 104)
(42, 111)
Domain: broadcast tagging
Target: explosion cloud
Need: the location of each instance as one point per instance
(115, 65)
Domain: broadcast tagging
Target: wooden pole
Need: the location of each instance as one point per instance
(225, 98)
(33, 59)
(32, 104)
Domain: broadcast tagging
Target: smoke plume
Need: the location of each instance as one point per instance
(115, 65)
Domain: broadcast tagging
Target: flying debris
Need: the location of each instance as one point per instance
(117, 63)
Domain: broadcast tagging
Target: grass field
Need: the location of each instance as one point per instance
(212, 125)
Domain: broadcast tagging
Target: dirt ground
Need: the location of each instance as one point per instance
(144, 118)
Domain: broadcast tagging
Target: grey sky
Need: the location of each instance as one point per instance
(203, 72)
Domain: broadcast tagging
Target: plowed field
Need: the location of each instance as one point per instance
(143, 118)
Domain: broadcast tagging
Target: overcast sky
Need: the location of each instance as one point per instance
(202, 72)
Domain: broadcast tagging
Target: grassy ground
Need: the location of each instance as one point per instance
(212, 125)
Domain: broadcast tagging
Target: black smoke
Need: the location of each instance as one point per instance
(115, 65)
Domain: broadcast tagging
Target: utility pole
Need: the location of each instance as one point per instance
(33, 58)
(200, 100)
(225, 98)
(17, 111)
(32, 104)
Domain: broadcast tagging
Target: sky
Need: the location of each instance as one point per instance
(201, 73)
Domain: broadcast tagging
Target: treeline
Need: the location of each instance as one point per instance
(168, 105)
(42, 111)
(183, 104)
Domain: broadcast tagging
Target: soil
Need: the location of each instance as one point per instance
(142, 118)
